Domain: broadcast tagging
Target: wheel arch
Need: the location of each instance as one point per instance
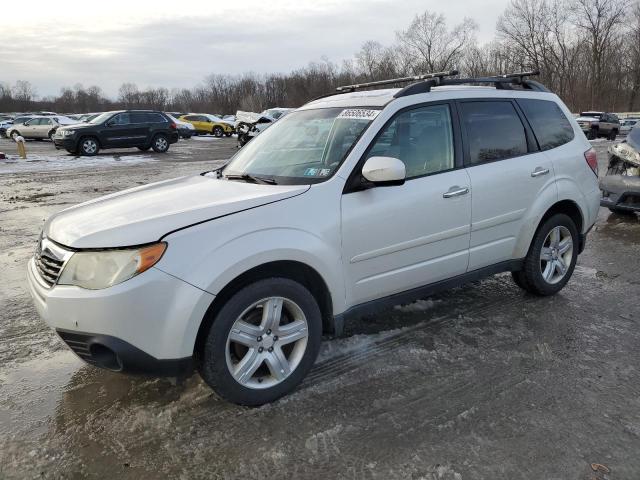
(291, 269)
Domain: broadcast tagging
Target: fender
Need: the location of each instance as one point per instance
(531, 219)
(568, 189)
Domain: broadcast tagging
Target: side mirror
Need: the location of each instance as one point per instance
(384, 171)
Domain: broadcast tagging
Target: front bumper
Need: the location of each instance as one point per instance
(147, 324)
(620, 192)
(66, 143)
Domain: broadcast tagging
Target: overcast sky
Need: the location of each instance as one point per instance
(177, 43)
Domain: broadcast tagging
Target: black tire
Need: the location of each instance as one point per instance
(621, 211)
(143, 149)
(160, 143)
(51, 134)
(88, 146)
(530, 277)
(612, 135)
(212, 355)
(217, 131)
(228, 134)
(592, 134)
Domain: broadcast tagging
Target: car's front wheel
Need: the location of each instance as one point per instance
(552, 257)
(612, 135)
(217, 132)
(262, 342)
(89, 146)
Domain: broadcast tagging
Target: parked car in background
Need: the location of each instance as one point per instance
(205, 123)
(19, 120)
(599, 124)
(621, 184)
(185, 129)
(250, 124)
(143, 129)
(87, 117)
(627, 124)
(277, 112)
(39, 127)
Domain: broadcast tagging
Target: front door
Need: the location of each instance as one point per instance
(402, 237)
(507, 173)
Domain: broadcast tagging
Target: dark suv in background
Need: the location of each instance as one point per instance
(143, 129)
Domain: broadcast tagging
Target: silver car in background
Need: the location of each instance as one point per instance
(39, 127)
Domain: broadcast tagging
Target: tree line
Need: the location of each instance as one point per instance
(587, 50)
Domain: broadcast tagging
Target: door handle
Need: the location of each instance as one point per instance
(539, 171)
(455, 191)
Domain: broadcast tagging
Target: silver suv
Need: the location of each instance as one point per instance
(355, 202)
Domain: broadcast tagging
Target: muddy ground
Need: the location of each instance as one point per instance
(483, 382)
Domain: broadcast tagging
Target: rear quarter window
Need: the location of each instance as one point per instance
(550, 126)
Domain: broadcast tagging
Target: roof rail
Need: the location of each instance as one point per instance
(414, 78)
(502, 82)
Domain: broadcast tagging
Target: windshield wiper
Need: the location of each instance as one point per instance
(251, 178)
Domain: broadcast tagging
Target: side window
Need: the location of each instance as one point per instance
(494, 131)
(138, 117)
(121, 119)
(549, 124)
(422, 138)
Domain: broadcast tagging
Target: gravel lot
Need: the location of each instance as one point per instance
(483, 382)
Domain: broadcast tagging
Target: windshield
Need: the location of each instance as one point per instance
(101, 118)
(302, 147)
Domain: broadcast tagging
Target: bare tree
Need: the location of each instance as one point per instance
(429, 46)
(24, 93)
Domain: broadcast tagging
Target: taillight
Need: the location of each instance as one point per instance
(592, 160)
(173, 126)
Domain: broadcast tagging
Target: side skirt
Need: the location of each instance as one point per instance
(376, 306)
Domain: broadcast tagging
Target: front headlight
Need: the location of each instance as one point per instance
(101, 269)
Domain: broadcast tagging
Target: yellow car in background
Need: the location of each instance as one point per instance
(205, 123)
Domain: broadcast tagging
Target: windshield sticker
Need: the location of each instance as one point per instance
(317, 172)
(359, 114)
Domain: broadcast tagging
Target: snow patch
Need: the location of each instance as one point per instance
(36, 162)
(418, 306)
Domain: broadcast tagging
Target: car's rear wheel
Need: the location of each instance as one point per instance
(262, 342)
(228, 134)
(89, 146)
(217, 131)
(51, 134)
(160, 143)
(592, 134)
(552, 257)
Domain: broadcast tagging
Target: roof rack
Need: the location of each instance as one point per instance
(414, 78)
(501, 82)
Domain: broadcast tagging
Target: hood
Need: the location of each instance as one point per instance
(587, 119)
(147, 213)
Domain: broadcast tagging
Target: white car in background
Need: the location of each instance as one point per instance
(39, 127)
(185, 129)
(627, 124)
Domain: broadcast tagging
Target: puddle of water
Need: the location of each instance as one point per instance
(31, 391)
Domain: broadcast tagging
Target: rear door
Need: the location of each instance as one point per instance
(508, 172)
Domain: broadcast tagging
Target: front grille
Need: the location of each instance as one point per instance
(48, 267)
(79, 344)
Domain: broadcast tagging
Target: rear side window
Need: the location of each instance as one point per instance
(494, 131)
(549, 124)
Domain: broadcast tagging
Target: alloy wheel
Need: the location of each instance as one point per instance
(89, 146)
(161, 143)
(267, 342)
(556, 254)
